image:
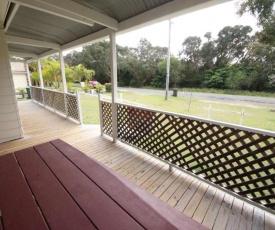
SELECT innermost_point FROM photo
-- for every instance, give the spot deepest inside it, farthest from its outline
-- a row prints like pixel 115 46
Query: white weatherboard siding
pixel 19 74
pixel 10 123
pixel 20 80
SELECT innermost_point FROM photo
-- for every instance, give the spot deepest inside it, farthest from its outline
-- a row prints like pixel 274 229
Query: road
pixel 210 96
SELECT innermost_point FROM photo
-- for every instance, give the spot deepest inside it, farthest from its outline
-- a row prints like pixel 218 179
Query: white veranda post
pixel 64 81
pixel 28 74
pixel 168 63
pixel 63 73
pixel 113 58
pixel 40 74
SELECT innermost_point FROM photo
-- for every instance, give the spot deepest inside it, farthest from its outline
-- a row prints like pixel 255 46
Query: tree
pixel 35 78
pixel 264 11
pixel 52 73
pixel 208 52
pixel 175 69
pixel 79 72
pixel 231 44
pixel 191 49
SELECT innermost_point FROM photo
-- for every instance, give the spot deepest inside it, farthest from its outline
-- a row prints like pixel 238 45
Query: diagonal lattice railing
pixel 64 103
pixel 238 159
pixel 36 94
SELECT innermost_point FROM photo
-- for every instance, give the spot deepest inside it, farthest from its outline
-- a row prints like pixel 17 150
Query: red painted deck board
pixel 59 209
pixel 73 191
pixel 98 206
pixel 146 209
pixel 1 224
pixel 18 208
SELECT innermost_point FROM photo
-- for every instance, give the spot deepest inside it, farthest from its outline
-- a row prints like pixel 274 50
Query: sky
pixel 212 19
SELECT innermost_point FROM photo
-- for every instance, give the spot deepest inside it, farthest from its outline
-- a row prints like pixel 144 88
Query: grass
pixel 90 111
pixel 259 117
pixel 224 91
pixel 231 92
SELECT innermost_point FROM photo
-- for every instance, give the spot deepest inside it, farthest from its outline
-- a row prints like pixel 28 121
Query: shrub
pixel 108 87
pixel 99 88
pixel 69 86
pixel 86 87
pixel 22 91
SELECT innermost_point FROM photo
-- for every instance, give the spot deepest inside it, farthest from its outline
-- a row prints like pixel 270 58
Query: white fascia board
pixel 22 54
pixel 165 12
pixel 82 11
pixel 4 6
pixel 31 42
pixel 87 40
pixel 53 10
pixel 10 18
pixel 161 13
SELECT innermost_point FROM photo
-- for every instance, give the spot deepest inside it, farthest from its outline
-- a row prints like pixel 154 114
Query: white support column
pixel 28 74
pixel 100 114
pixel 79 107
pixel 63 73
pixel 41 79
pixel 40 74
pixel 64 82
pixel 113 58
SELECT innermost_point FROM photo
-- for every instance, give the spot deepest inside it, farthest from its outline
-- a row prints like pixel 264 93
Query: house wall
pixel 10 123
pixel 19 74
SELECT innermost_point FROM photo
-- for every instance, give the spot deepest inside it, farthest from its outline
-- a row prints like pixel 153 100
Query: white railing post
pixel 41 80
pixel 79 107
pixel 28 74
pixel 29 78
pixel 64 82
pixel 100 114
pixel 113 59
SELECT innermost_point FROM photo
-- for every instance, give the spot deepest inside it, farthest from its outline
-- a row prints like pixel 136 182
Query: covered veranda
pixel 34 29
pixel 206 204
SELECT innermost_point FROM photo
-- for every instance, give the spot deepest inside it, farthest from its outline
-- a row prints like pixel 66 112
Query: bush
pixel 22 91
pixel 108 87
pixel 99 88
pixel 69 86
pixel 86 87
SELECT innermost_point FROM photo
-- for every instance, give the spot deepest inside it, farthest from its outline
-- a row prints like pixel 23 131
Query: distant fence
pixel 238 159
pixel 241 113
pixel 62 103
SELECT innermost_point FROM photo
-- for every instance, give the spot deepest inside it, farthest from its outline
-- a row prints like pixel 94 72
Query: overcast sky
pixel 212 19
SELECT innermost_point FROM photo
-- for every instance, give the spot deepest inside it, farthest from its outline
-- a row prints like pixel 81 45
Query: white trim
pixel 21 54
pixel 79 107
pixel 82 11
pixel 4 6
pixel 165 12
pixel 10 18
pixel 28 74
pixel 63 73
pixel 113 60
pixel 89 39
pixel 31 42
pixel 40 75
pixel 161 13
pixel 228 125
pixel 53 10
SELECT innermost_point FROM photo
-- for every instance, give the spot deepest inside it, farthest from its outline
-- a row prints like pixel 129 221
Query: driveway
pixel 213 96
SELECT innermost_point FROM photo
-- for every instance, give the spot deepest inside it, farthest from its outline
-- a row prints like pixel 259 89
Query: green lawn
pixel 261 116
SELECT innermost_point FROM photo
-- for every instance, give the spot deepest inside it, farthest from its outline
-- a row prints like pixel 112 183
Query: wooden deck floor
pixel 205 204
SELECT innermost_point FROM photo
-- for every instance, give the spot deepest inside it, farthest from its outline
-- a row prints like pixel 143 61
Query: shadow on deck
pixel 205 204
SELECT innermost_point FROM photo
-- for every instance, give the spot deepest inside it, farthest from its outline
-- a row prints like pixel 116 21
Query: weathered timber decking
pixel 205 204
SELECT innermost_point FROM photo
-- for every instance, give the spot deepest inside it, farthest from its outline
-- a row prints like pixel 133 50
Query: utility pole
pixel 168 62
